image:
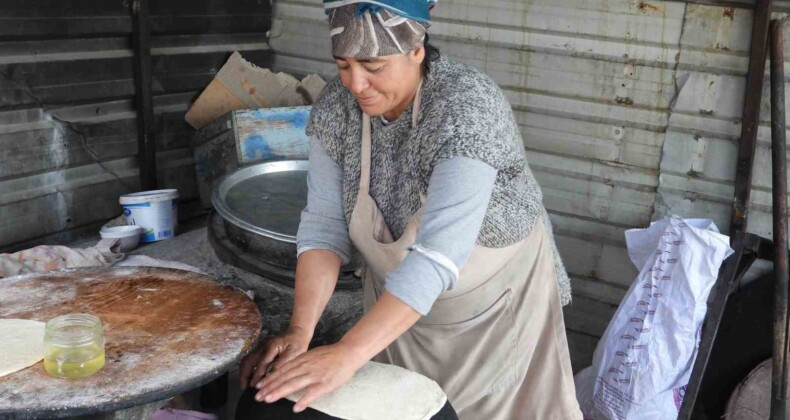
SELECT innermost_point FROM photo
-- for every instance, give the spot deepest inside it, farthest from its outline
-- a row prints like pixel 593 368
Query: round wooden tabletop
pixel 166 331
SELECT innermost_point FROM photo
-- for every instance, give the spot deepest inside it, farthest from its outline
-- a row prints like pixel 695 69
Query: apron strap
pixel 415 113
pixel 364 174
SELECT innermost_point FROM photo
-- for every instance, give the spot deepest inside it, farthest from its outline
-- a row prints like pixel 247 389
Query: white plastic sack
pixel 644 358
pixel 663 406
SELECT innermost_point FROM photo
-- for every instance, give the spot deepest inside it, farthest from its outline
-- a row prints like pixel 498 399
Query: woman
pixel 418 162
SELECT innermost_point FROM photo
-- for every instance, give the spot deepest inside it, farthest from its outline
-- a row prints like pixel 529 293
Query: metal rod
pixel 146 146
pixel 750 118
pixel 779 380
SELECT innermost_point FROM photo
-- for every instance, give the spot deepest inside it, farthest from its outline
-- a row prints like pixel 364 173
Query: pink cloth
pixel 173 414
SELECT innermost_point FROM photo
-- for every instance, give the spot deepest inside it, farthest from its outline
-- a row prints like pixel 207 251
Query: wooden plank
pixel 209 7
pixel 63 82
pixel 63 27
pixel 56 8
pixel 107 26
pixel 60 146
pixel 78 8
pixel 257 21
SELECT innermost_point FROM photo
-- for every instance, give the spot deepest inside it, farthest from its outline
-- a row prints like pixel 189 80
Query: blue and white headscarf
pixel 376 28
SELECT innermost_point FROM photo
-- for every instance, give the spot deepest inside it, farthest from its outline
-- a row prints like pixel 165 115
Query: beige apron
pixel 496 343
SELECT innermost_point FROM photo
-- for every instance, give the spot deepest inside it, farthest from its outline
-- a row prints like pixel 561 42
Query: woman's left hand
pixel 320 371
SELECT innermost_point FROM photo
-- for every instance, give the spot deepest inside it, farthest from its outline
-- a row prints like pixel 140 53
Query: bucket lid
pixel 118 232
pixel 148 196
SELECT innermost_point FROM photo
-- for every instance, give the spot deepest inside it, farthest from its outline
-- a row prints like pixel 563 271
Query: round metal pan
pixel 257 210
pixel 265 199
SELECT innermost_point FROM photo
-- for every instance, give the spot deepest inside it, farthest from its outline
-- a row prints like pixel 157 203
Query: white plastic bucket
pixel 155 211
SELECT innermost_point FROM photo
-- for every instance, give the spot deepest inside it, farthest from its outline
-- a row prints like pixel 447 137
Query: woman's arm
pixel 316 277
pixel 322 246
pixel 386 320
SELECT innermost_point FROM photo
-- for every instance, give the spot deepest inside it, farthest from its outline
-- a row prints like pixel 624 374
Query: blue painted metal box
pixel 247 136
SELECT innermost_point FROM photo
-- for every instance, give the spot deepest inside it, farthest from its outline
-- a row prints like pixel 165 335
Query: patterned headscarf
pixel 376 28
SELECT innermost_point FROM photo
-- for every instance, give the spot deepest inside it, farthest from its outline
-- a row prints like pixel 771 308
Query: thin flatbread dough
pixel 21 344
pixel 382 392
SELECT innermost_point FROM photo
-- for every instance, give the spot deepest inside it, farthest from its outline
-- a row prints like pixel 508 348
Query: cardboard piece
pixel 241 85
pixel 311 86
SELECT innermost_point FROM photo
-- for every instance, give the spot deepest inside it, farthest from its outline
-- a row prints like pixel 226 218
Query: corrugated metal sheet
pixel 628 111
pixel 68 141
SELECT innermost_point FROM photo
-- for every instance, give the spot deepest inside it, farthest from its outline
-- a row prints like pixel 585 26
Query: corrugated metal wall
pixel 629 111
pixel 68 141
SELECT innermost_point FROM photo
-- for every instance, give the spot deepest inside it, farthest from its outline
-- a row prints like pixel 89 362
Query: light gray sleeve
pixel 453 212
pixel 323 224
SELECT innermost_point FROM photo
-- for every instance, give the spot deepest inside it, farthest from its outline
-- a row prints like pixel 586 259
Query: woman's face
pixel 383 85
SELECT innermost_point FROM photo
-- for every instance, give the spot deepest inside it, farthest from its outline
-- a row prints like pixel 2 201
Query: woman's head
pixel 380 50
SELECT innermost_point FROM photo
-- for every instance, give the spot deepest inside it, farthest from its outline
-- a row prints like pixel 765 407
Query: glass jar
pixel 73 346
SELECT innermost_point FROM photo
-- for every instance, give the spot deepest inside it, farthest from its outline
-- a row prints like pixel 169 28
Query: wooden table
pixel 167 331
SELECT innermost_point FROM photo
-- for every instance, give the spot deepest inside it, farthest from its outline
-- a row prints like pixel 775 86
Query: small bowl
pixel 129 236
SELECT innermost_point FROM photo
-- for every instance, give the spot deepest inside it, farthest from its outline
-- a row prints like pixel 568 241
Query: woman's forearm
pixel 316 277
pixel 385 321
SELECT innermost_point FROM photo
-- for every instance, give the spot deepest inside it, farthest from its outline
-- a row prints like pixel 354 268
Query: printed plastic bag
pixel 644 359
pixel 663 406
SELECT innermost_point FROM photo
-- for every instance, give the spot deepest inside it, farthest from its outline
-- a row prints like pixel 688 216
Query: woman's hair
pixel 431 54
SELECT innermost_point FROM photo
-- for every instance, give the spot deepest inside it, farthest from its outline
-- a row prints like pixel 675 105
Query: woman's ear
pixel 417 55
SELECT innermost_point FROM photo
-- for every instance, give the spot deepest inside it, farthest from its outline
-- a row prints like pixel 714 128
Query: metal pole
pixel 779 380
pixel 146 146
pixel 751 117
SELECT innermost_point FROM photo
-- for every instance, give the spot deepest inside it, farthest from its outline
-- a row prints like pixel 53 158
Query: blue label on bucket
pixel 157 218
pixel 149 237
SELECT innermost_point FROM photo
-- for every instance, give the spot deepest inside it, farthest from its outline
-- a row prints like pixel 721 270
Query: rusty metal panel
pixel 700 150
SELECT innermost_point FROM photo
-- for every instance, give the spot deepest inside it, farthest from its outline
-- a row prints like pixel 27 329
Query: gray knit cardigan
pixel 463 113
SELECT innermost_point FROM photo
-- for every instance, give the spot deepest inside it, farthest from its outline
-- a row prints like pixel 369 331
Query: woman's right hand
pixel 275 352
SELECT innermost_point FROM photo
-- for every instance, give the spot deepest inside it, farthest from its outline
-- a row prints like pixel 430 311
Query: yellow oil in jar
pixel 74 362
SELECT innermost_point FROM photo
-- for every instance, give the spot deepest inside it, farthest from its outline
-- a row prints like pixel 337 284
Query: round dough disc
pixel 22 344
pixel 382 392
